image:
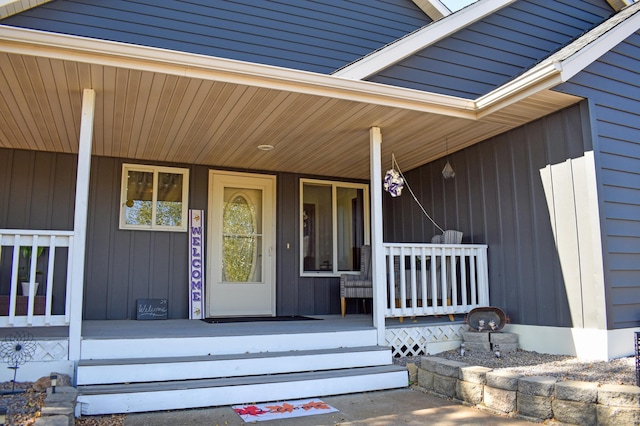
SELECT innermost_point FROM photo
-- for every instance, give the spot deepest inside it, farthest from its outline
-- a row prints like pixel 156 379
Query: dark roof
pixel 493 51
pixel 311 35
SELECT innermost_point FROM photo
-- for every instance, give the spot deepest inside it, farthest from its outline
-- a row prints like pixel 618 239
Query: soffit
pixel 13 7
pixel 216 121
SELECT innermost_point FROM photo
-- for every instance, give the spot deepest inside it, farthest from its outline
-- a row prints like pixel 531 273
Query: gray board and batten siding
pixel 37 191
pixel 522 194
pixel 494 50
pixel 612 85
pixel 302 34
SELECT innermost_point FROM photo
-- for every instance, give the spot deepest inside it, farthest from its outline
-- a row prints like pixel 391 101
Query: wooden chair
pixel 357 286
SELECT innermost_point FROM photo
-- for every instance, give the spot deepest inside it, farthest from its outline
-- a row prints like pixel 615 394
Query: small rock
pixel 45 382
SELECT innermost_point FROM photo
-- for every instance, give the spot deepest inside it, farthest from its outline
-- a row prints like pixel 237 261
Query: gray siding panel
pixel 511 192
pixel 303 34
pixel 613 86
pixel 288 259
pixel 36 190
pixel 494 50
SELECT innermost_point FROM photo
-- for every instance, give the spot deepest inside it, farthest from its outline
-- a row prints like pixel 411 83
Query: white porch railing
pixel 435 279
pixel 33 310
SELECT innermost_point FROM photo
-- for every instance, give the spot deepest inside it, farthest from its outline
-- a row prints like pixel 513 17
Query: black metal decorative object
pixel 16 349
pixel 489 318
pixel 637 358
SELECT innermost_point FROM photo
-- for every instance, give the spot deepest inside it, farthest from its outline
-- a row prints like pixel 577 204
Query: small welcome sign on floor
pixel 151 309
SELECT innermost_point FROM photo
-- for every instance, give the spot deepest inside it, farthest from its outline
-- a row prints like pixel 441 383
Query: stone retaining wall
pixel 533 398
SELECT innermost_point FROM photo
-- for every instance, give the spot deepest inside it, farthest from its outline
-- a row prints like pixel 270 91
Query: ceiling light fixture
pixel 265 147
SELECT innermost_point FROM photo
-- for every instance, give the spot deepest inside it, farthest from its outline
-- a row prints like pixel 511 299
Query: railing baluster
pixel 13 294
pixel 463 277
pixel 49 288
pixel 423 279
pixel 472 271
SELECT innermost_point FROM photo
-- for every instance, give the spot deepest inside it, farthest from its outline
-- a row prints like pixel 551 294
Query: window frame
pixel 334 219
pixel 145 168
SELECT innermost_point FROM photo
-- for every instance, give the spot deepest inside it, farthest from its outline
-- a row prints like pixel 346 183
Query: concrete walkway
pixel 383 408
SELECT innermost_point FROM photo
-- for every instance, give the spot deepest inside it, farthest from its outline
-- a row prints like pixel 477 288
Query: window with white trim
pixel 154 198
pixel 334 225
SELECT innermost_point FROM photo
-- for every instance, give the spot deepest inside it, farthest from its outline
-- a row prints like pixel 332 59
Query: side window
pixel 334 222
pixel 154 198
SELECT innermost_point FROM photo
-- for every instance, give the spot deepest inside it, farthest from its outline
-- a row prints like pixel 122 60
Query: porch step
pixel 182 394
pixel 134 370
pixel 246 342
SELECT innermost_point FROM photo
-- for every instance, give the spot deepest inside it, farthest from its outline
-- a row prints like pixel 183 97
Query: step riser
pixel 223 345
pixel 264 392
pixel 150 372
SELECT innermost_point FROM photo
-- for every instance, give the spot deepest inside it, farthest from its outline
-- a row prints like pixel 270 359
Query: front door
pixel 241 244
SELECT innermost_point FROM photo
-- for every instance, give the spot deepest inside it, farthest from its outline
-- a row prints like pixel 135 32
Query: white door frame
pixel 269 237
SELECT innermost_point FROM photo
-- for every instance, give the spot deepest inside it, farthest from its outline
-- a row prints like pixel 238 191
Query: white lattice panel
pixel 413 341
pixel 51 350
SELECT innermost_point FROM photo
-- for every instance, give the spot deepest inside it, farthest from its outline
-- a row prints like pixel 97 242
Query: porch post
pixel 377 250
pixel 80 224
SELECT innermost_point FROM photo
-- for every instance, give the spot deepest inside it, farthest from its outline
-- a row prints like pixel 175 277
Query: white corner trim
pixel 434 9
pixel 418 40
pixel 603 44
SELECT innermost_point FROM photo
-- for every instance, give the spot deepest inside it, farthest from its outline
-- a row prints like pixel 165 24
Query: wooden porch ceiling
pixel 158 116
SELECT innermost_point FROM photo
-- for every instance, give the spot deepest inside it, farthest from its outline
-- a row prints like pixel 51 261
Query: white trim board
pixel 583 343
pixel 418 40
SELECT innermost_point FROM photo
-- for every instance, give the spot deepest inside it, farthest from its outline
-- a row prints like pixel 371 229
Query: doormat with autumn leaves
pixel 282 410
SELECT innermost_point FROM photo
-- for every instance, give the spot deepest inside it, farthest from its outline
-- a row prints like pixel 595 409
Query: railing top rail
pixel 28 232
pixel 430 245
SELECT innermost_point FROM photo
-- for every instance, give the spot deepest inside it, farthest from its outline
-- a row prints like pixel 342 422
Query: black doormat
pixel 223 320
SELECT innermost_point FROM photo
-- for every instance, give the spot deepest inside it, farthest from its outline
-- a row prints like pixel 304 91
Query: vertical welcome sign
pixel 196 264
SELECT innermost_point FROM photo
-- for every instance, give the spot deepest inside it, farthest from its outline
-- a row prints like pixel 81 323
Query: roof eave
pixel 418 40
pixel 108 53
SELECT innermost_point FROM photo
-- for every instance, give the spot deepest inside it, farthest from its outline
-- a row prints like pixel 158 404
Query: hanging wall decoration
pixel 394 181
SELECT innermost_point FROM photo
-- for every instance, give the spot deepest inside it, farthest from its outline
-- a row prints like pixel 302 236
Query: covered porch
pixel 93 99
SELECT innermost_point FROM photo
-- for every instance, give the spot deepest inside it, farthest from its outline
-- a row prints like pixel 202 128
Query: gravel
pixel 22 408
pixel 621 371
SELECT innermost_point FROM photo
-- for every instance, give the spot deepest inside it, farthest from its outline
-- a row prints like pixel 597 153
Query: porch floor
pixel 132 329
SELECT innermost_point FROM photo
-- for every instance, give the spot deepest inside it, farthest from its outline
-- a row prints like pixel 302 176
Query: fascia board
pixel 597 48
pixel 109 53
pixel 537 79
pixel 420 39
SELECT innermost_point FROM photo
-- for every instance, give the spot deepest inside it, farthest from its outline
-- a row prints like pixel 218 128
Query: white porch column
pixel 377 251
pixel 80 223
